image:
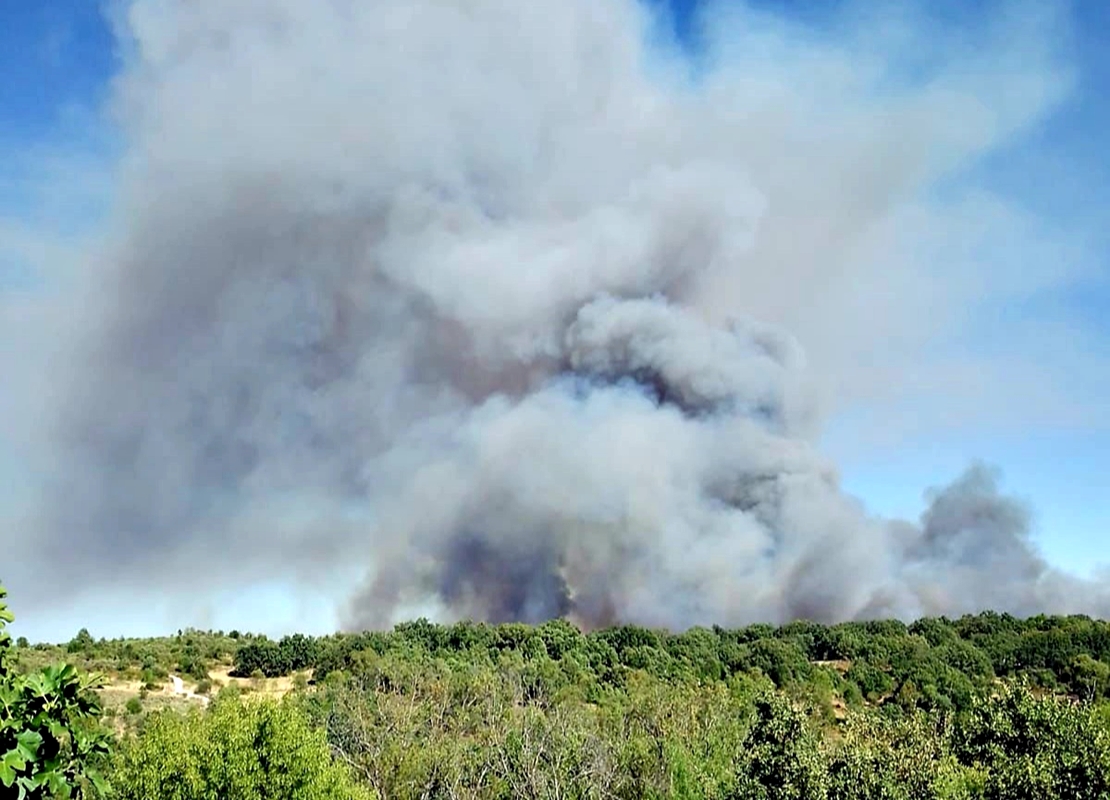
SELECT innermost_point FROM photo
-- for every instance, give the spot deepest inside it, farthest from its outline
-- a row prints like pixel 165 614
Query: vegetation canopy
pixel 984 706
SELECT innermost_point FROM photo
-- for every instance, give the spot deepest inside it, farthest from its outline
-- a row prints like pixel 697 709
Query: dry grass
pixel 271 687
pixel 120 689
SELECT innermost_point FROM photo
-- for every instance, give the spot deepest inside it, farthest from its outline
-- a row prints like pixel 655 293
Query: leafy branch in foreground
pixel 50 740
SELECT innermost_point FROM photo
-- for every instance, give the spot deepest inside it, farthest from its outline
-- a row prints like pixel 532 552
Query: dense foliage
pixel 930 664
pixel 272 659
pixel 50 744
pixel 413 726
pixel 936 663
pixel 984 707
pixel 189 653
pixel 234 751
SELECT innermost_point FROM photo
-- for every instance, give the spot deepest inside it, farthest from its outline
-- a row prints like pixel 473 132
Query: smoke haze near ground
pixel 516 314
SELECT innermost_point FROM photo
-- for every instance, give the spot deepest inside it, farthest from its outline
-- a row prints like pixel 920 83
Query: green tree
pixel 81 643
pixel 264 656
pixel 873 683
pixel 298 652
pixel 50 742
pixel 782 759
pixel 238 750
pixel 781 661
pixel 1029 746
pixel 1090 677
pixel 875 757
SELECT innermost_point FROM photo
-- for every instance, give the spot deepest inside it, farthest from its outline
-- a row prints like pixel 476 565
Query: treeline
pixel 986 707
pixel 189 653
pixel 934 663
pixel 549 712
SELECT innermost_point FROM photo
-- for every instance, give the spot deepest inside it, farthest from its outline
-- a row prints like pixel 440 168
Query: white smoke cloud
pixel 512 313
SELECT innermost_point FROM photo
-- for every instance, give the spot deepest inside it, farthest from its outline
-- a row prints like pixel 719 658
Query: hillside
pixel 982 706
pixel 931 664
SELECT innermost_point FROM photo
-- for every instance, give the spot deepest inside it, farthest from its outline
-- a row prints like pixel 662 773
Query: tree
pixel 781 661
pixel 1029 746
pixel 873 683
pixel 1090 677
pixel 261 655
pixel 782 760
pixel 235 751
pixel 50 742
pixel 81 643
pixel 298 652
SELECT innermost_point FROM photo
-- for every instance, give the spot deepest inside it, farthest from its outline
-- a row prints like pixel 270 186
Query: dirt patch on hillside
pixel 840 665
pixel 272 687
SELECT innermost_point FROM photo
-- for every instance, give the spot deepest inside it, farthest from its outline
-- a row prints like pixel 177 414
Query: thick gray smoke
pixel 506 308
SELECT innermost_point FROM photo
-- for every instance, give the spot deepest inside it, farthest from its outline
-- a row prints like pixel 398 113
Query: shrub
pixel 782 758
pixel 873 683
pixel 192 666
pixel 229 692
pixel 50 740
pixel 262 656
pixel 134 706
pixel 235 751
pixel 1030 746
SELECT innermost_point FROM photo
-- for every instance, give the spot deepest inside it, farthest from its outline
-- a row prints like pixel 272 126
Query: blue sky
pixel 57 60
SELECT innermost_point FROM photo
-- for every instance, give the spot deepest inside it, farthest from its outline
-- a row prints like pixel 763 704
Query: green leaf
pixel 58 783
pixel 14 760
pixel 102 786
pixel 49 740
pixel 28 743
pixel 7 773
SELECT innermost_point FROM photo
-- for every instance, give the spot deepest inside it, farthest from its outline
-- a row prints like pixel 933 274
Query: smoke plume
pixel 504 303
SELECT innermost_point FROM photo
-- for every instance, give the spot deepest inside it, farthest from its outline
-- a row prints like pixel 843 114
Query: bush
pixel 1030 746
pixel 782 756
pixel 153 675
pixel 193 667
pixel 50 740
pixel 275 659
pixel 873 683
pixel 262 656
pixel 134 706
pixel 235 751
